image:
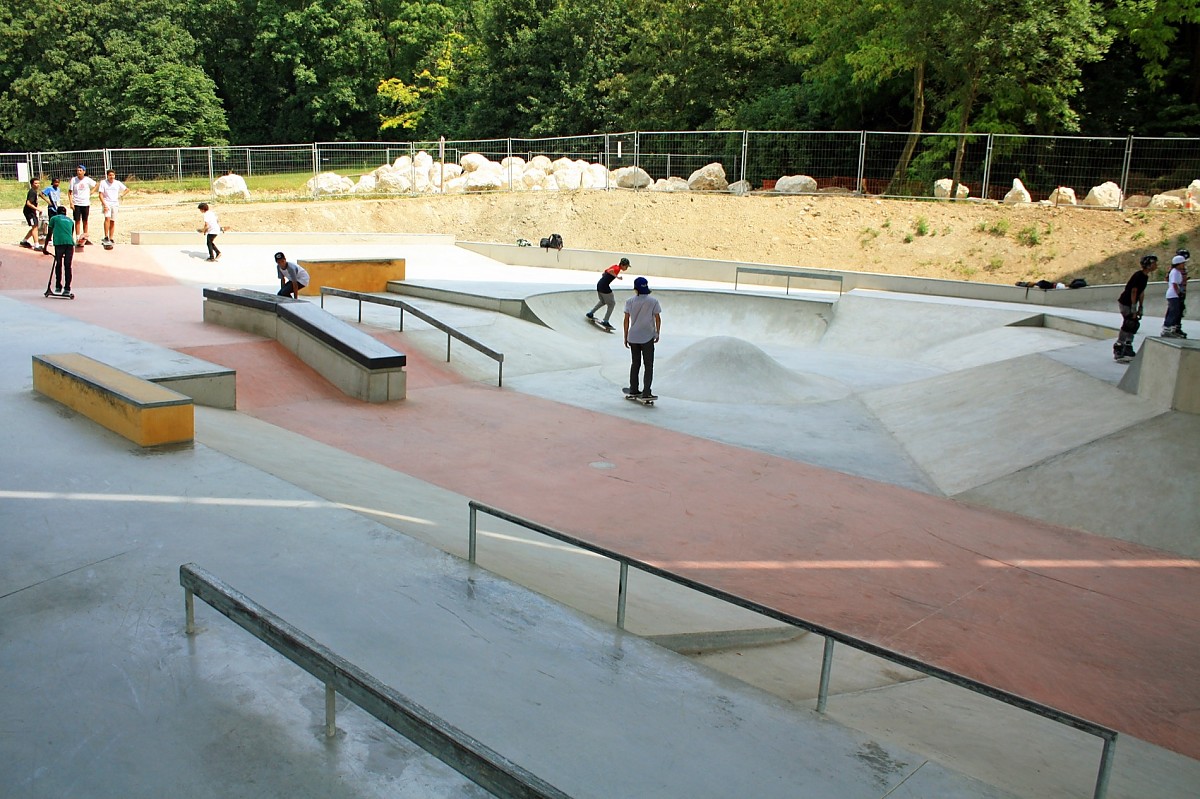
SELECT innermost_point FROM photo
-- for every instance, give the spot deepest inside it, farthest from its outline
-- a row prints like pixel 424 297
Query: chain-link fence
pixel 878 163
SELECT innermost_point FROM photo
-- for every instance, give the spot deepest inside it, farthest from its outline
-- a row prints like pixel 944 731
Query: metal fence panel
pixel 829 157
pixel 1159 165
pixel 900 165
pixel 1043 163
pixel 62 164
pixel 665 154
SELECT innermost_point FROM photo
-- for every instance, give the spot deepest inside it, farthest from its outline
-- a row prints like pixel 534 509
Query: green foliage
pixel 998 228
pixel 921 226
pixel 1029 236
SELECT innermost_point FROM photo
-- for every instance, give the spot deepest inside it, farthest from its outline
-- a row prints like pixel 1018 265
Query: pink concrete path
pixel 1100 628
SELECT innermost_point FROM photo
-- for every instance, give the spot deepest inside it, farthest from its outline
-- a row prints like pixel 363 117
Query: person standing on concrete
pixel 1175 294
pixel 292 276
pixel 605 292
pixel 111 191
pixel 643 326
pixel 31 216
pixel 81 202
pixel 211 229
pixel 61 230
pixel 1130 304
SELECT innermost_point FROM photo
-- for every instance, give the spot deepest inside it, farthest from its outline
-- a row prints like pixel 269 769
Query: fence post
pixel 862 163
pixel 211 188
pixel 1125 169
pixel 745 151
pixel 510 188
pixel 637 148
pixel 316 162
pixel 987 168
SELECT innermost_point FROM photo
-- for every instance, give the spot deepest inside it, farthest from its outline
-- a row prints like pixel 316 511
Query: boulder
pixel 1063 195
pixel 231 185
pixel 599 175
pixel 1166 202
pixel 540 162
pixel 1106 195
pixel 631 177
pixel 403 163
pixel 740 188
pixel 1017 194
pixel 366 185
pixel 533 177
pixel 710 177
pixel 329 183
pixel 456 185
pixel 941 189
pixel 396 181
pixel 1138 201
pixel 672 183
pixel 422 159
pixel 516 162
pixel 484 180
pixel 569 179
pixel 561 164
pixel 472 162
pixel 796 184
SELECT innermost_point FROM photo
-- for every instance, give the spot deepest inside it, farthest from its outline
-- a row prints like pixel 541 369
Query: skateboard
pixel 600 325
pixel 108 245
pixel 639 398
pixel 66 295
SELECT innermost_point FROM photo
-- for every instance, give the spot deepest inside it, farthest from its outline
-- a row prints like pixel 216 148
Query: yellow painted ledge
pixel 143 412
pixel 367 275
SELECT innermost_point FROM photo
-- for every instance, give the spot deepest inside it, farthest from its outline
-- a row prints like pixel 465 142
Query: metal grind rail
pixel 447 743
pixel 788 273
pixel 1109 736
pixel 396 302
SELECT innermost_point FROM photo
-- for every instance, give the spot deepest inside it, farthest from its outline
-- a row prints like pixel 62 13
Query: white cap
pixel 1177 260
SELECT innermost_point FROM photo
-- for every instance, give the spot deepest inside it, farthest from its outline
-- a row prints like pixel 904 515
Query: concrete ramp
pixel 1098 485
pixel 879 326
pixel 763 320
pixel 969 428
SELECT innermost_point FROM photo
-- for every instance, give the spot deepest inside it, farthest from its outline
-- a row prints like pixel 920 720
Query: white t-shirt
pixel 111 192
pixel 210 221
pixel 81 190
pixel 642 309
pixel 1175 278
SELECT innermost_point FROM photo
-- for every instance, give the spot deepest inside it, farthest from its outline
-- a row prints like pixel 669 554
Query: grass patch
pixel 999 228
pixel 1138 235
pixel 868 234
pixel 994 265
pixel 1029 236
pixel 887 223
pixel 921 226
pixel 908 238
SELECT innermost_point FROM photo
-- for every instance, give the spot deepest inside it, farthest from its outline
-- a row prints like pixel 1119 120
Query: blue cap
pixel 641 285
pixel 81 166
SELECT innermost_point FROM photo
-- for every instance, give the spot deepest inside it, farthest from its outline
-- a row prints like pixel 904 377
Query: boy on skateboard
pixel 81 202
pixel 61 230
pixel 111 191
pixel 1130 304
pixel 643 325
pixel 605 292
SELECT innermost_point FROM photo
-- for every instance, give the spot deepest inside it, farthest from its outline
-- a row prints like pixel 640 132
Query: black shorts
pixel 81 212
pixel 31 217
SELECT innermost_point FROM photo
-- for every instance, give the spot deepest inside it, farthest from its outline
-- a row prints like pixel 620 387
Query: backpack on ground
pixel 552 242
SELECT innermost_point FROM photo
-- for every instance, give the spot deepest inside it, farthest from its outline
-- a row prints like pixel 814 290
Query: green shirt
pixel 62 229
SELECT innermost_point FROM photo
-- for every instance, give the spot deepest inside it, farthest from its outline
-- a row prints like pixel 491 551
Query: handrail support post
pixel 471 535
pixel 1106 762
pixel 826 668
pixel 622 592
pixel 330 711
pixel 189 610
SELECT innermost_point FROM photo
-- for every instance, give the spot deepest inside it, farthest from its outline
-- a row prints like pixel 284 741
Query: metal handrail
pixel 1109 736
pixel 469 757
pixel 396 302
pixel 789 273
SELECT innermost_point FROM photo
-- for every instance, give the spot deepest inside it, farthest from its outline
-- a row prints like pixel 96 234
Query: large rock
pixel 741 188
pixel 569 179
pixel 631 177
pixel 1106 195
pixel 710 177
pixel 1166 202
pixel 533 177
pixel 941 189
pixel 1017 194
pixel 1063 195
pixel 366 185
pixel 422 159
pixel 672 183
pixel 540 162
pixel 231 185
pixel 395 181
pixel 472 162
pixel 484 180
pixel 1138 201
pixel 329 183
pixel 796 184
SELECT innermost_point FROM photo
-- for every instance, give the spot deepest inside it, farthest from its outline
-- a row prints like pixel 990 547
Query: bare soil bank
pixel 986 243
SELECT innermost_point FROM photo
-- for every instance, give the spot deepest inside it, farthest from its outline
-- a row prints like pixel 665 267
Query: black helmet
pixel 1187 256
pixel 1149 261
pixel 624 262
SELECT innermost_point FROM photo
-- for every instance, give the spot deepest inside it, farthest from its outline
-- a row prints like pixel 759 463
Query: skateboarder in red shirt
pixel 604 290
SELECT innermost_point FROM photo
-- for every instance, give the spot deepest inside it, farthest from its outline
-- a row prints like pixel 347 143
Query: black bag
pixel 1077 283
pixel 551 242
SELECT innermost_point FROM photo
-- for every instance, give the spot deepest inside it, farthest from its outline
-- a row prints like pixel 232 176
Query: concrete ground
pixel 297 496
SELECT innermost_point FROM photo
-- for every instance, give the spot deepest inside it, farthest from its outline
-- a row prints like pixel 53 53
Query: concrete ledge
pixel 281 238
pixel 359 365
pixel 1166 371
pixel 367 275
pixel 143 412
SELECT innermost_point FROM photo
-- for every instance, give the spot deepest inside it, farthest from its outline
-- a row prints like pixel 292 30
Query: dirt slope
pixel 964 241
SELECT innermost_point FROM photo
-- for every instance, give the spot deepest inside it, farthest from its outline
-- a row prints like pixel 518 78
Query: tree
pixel 174 106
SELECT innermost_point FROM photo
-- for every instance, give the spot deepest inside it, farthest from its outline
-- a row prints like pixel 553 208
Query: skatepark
pixel 956 480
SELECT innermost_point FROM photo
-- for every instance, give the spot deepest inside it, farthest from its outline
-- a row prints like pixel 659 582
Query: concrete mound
pixel 727 369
